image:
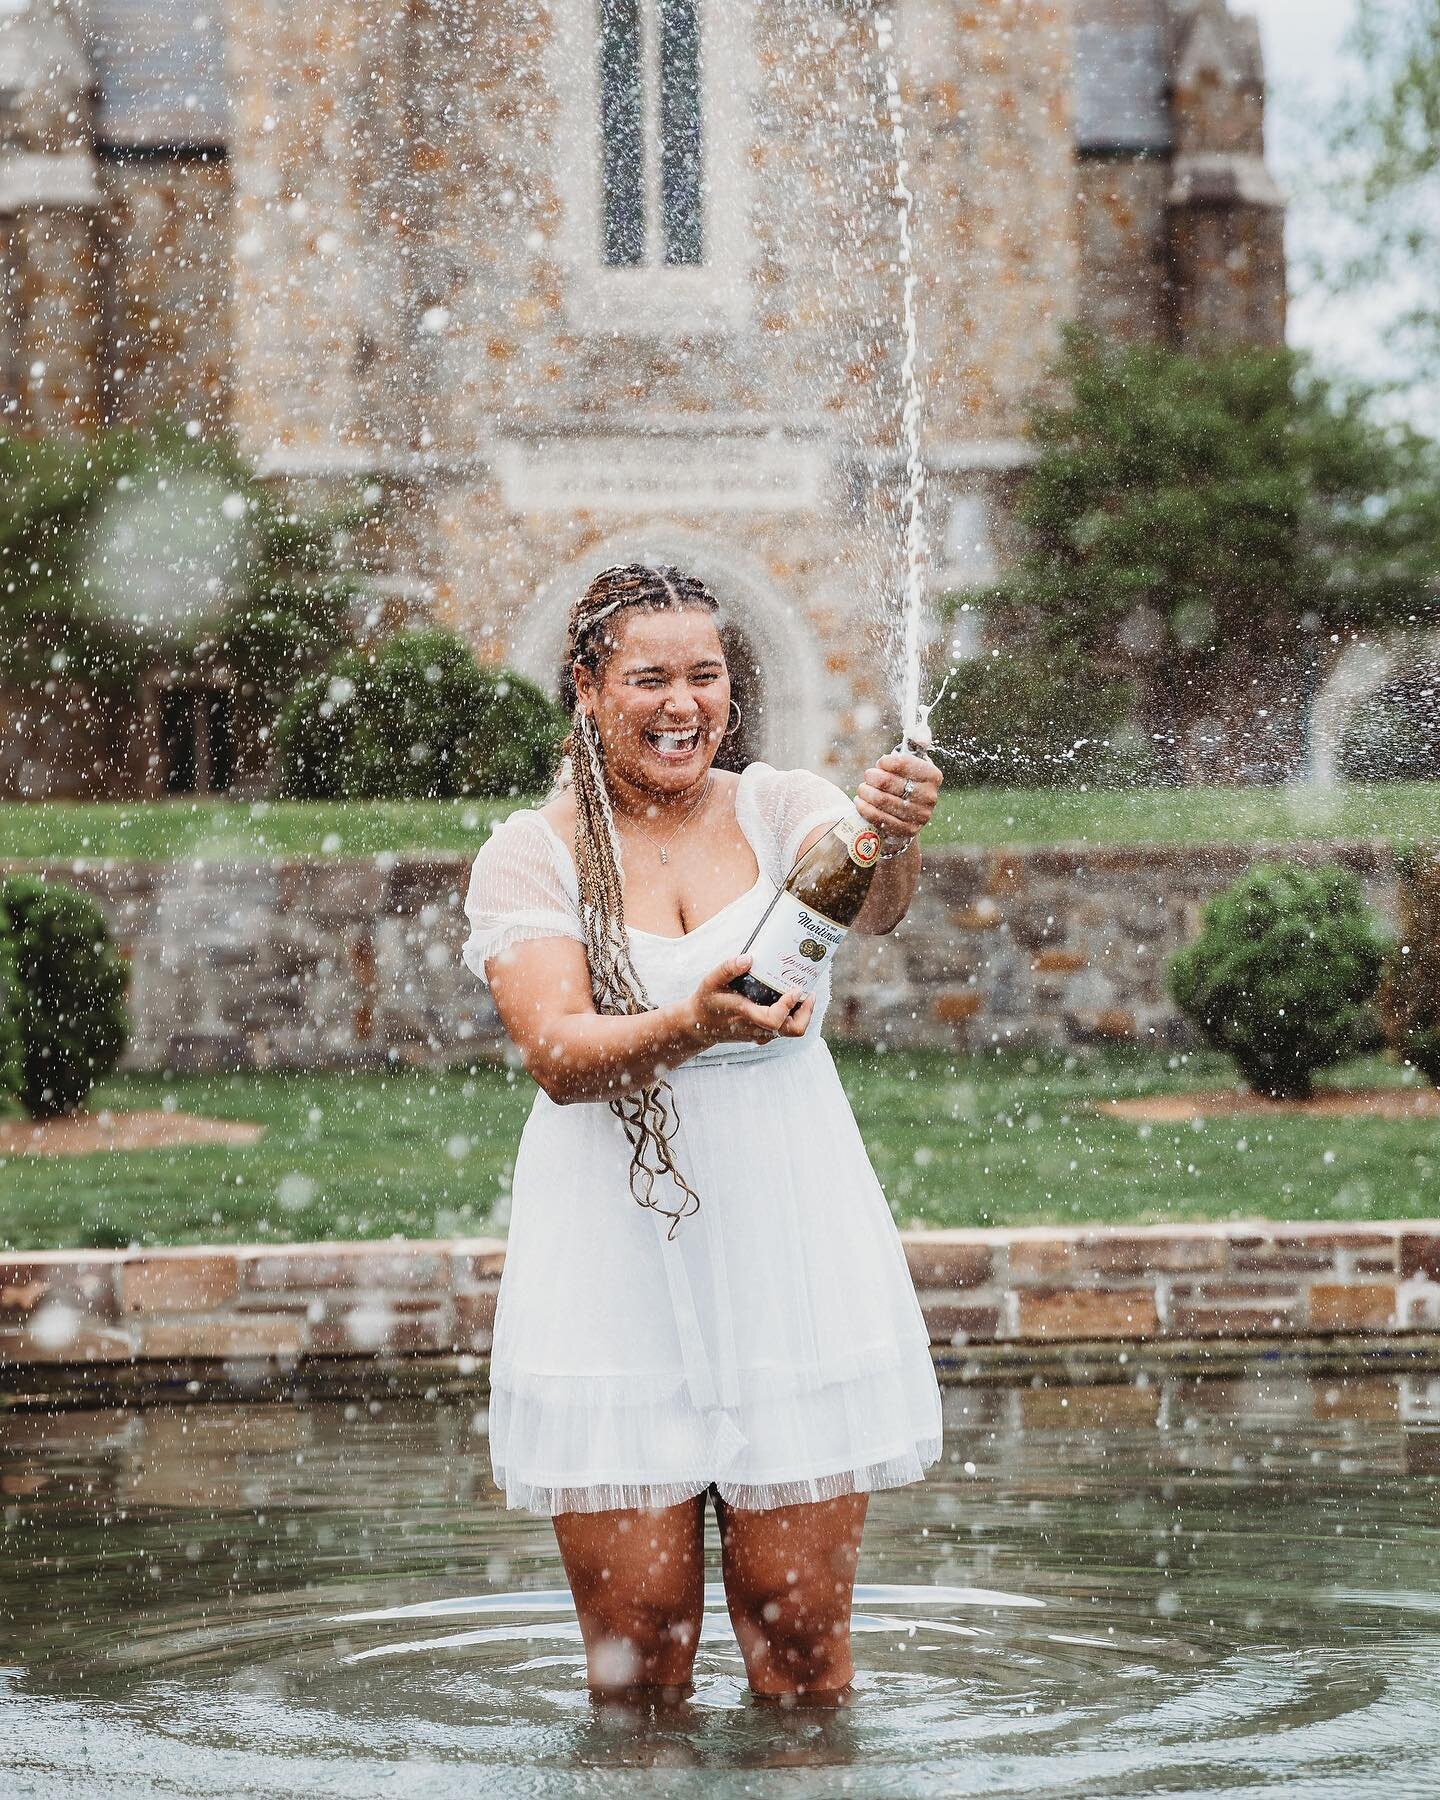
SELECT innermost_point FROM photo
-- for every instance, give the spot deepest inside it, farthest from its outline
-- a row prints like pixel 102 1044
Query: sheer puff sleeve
pixel 786 805
pixel 519 891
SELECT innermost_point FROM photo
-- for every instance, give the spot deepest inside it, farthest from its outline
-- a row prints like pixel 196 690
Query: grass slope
pixel 996 1140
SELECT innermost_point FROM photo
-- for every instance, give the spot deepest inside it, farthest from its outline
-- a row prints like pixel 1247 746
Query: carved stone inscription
pixel 670 474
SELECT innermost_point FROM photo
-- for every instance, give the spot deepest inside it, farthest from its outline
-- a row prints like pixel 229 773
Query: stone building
pixel 567 282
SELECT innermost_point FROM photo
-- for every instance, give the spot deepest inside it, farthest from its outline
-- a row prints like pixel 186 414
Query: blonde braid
pixel 649 1116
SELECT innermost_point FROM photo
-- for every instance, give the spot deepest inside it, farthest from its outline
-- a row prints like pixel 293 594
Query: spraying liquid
pixel 809 917
pixel 913 714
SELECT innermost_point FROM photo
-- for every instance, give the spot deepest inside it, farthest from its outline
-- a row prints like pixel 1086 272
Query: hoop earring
pixel 739 716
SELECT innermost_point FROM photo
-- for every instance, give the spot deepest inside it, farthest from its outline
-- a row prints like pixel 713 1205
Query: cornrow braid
pixel 650 1115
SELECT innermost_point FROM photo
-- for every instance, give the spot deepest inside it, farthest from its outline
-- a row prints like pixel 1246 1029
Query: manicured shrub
pixel 72 1017
pixel 449 727
pixel 327 748
pixel 422 722
pixel 1014 721
pixel 1410 985
pixel 1283 975
pixel 12 1065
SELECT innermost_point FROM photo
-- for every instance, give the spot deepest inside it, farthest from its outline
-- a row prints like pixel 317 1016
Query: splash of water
pixel 912 713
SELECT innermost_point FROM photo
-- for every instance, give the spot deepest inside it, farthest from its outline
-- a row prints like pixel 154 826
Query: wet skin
pixel 638 1577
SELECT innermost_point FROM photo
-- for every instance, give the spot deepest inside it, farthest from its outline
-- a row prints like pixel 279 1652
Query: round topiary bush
pixel 449 728
pixel 1410 985
pixel 326 743
pixel 423 721
pixel 1283 975
pixel 12 1062
pixel 72 1017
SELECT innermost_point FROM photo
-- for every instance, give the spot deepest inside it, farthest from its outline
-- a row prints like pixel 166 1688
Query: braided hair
pixel 650 1116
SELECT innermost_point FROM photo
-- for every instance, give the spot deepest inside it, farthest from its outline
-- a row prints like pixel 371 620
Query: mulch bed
pixel 91 1134
pixel 1362 1103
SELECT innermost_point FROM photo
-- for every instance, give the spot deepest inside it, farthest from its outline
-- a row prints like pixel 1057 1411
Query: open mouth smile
pixel 674 745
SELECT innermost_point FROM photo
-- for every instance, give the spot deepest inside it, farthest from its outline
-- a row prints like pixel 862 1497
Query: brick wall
pixel 1202 1285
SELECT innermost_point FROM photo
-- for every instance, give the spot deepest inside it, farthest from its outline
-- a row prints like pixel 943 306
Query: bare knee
pixel 795 1640
pixel 629 1646
pixel 789 1579
pixel 640 1611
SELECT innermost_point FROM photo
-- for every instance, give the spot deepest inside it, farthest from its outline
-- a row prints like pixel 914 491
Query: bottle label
pixel 862 841
pixel 792 945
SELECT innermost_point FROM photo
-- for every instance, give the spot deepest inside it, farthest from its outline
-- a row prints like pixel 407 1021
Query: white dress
pixel 774 1346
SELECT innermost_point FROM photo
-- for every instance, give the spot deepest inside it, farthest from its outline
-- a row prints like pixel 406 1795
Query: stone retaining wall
pixel 345 963
pixel 289 1305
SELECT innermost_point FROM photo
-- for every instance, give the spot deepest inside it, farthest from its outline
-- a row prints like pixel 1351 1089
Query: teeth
pixel 675 740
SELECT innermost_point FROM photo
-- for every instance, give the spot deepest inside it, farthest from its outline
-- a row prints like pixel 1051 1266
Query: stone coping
pixel 985 1294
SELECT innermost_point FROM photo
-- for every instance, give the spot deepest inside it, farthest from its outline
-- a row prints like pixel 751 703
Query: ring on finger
pixel 907 790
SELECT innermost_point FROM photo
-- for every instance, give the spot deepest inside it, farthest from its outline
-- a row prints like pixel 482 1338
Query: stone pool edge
pixel 1001 1304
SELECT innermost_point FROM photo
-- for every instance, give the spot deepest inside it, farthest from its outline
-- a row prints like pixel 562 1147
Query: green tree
pixel 1196 522
pixel 284 604
pixel 1387 141
pixel 1008 720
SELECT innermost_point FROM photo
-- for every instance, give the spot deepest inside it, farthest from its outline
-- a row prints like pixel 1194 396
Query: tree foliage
pixel 12 1061
pixel 283 607
pixel 1188 518
pixel 1394 733
pixel 1016 720
pixel 1387 142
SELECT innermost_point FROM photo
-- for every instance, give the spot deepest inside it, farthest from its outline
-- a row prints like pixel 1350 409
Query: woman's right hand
pixel 722 1017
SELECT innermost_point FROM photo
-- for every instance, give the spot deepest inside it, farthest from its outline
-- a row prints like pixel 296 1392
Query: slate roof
pixel 1120 81
pixel 161 69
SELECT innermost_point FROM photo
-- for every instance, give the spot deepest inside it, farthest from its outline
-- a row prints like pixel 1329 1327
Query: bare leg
pixel 789 1575
pixel 638 1578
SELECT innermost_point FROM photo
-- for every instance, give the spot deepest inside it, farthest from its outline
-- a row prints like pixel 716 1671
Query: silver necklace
pixel 695 806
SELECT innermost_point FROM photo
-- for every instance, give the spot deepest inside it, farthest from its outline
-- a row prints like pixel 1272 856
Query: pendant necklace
pixel 695 806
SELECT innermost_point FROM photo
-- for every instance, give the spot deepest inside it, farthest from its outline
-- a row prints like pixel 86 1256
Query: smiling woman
pixel 749 1329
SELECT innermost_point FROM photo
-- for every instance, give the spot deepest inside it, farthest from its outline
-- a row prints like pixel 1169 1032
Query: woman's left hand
pixel 883 800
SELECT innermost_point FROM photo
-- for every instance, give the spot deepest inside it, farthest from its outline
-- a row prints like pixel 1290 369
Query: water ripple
pixel 1237 1591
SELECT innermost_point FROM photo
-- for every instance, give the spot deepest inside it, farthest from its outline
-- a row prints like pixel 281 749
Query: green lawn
pixel 165 830
pixel 956 1140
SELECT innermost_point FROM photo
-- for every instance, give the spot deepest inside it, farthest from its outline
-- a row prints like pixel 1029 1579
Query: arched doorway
pixel 775 664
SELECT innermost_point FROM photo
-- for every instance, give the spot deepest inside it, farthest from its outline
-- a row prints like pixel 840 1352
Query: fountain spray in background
pixel 914 714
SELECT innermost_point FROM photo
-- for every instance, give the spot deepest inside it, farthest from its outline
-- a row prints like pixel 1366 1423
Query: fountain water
pixel 912 712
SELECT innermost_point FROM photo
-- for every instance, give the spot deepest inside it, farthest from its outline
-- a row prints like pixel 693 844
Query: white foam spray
pixel 917 550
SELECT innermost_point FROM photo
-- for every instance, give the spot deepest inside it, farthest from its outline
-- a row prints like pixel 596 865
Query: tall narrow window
pixel 622 132
pixel 650 133
pixel 680 208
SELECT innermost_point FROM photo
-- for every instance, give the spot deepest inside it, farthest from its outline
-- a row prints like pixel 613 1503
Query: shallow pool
pixel 1176 1589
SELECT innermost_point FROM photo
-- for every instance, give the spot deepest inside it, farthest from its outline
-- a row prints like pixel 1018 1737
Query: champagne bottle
pixel 808 919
